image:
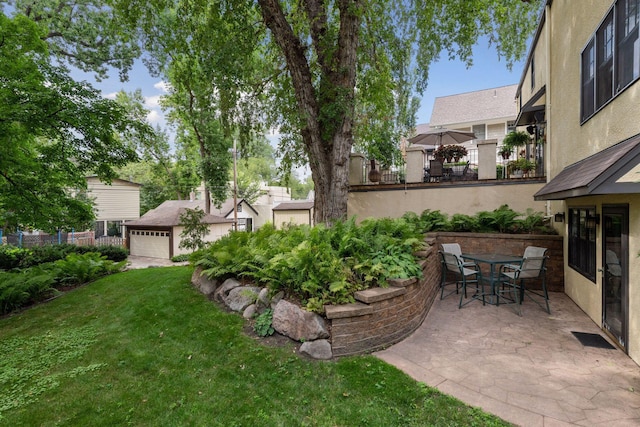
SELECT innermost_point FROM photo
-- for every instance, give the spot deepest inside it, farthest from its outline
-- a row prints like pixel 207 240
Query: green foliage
pixel 318 265
pixel 24 287
pixel 515 139
pixel 194 230
pixel 77 269
pixel 21 288
pixel 501 220
pixel 180 258
pixel 520 164
pixel 262 325
pixel 54 132
pixel 11 256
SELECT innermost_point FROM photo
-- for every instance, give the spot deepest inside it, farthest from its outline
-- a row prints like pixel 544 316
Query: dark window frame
pixel 610 61
pixel 582 241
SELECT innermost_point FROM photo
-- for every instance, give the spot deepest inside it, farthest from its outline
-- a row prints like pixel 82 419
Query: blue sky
pixel 446 78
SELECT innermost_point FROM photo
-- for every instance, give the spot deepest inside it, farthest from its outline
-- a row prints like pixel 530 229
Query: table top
pixel 493 258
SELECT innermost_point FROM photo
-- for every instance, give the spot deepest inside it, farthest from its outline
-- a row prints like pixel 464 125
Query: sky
pixel 445 78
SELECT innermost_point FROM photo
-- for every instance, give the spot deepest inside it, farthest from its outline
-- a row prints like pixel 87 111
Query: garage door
pixel 154 244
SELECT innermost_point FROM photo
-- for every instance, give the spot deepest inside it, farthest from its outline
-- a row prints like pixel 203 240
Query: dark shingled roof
pixel 168 214
pixel 294 206
pixel 597 174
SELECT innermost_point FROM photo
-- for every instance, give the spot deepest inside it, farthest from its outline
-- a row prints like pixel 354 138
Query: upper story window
pixel 611 59
pixel 533 71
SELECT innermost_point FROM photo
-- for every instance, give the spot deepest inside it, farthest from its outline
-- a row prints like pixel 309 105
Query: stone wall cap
pixel 372 295
pixel 347 310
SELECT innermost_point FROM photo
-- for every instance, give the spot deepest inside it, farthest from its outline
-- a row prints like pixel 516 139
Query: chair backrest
pixel 533 263
pixel 451 261
pixel 435 168
pixel 613 263
pixel 452 248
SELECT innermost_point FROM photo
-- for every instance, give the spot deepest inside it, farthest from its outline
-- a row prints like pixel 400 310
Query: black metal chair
pixel 463 273
pixel 513 277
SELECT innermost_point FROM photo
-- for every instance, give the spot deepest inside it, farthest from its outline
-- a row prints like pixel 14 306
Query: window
pixel 628 45
pixel 582 242
pixel 239 207
pixel 479 130
pixel 533 71
pixel 610 62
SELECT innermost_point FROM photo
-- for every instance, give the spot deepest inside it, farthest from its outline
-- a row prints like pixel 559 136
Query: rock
pixel 298 324
pixel 250 311
pixel 224 290
pixel 318 349
pixel 263 299
pixel 241 297
pixel 276 299
pixel 203 283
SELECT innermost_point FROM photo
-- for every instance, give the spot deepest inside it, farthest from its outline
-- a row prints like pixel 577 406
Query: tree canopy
pixel 328 74
pixel 53 133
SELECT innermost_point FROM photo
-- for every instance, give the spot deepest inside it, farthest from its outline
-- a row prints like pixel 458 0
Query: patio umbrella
pixel 442 136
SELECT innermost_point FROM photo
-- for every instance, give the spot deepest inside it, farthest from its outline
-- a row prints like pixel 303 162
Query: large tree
pixel 326 71
pixel 53 133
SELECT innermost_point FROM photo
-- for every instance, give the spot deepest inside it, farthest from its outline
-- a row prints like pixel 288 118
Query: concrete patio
pixel 529 370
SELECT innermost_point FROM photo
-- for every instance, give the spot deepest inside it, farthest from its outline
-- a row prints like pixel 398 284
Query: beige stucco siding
pixel 217 231
pixel 587 294
pixel 118 201
pixel 464 199
pixel 297 217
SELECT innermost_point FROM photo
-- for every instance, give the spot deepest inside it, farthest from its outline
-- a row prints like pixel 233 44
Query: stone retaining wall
pixel 384 316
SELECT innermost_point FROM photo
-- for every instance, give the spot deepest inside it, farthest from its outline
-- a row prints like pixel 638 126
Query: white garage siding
pixel 216 231
pixel 149 243
pixel 296 217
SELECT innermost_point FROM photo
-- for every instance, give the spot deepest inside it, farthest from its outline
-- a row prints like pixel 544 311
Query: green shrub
pixel 112 252
pixel 180 258
pixel 11 256
pixel 77 269
pixel 22 288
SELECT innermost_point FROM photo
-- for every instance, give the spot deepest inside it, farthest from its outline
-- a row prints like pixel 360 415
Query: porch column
pixel 356 169
pixel 415 163
pixel 487 159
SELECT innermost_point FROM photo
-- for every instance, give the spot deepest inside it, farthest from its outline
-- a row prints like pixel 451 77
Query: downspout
pixel 549 91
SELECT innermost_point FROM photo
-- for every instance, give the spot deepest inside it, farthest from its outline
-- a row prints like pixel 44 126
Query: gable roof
pixel 302 205
pixel 614 170
pixel 169 212
pixel 478 106
pixel 227 207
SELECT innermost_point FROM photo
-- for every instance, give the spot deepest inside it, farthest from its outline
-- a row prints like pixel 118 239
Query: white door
pixel 149 243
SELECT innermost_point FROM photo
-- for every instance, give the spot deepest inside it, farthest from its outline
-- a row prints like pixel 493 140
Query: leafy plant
pixel 263 324
pixel 180 258
pixel 515 139
pixel 25 287
pixel 194 230
pixel 78 269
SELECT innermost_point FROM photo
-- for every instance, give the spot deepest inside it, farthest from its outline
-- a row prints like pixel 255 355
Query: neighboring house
pixel 115 203
pixel 580 91
pixel 296 212
pixel 247 215
pixel 489 113
pixel 157 233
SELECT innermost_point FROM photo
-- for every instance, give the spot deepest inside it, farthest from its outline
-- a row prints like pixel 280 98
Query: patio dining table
pixel 492 260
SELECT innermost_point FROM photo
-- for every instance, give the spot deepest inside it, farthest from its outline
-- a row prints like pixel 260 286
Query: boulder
pixel 318 349
pixel 250 311
pixel 298 324
pixel 202 282
pixel 241 297
pixel 224 290
pixel 263 299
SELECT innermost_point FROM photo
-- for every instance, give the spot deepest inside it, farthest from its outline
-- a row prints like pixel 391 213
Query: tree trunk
pixel 328 111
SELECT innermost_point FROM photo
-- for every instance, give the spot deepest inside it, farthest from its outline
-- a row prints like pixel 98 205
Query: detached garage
pixel 157 233
pixel 293 213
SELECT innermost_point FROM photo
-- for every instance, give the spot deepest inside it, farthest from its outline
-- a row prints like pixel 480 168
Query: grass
pixel 144 348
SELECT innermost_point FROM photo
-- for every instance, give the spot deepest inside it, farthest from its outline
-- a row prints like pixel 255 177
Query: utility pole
pixel 235 188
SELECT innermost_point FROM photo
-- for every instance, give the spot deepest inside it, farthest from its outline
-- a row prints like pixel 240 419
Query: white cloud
pixel 162 86
pixel 111 95
pixel 152 101
pixel 155 117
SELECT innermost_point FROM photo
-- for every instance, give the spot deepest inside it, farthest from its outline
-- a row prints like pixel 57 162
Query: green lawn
pixel 144 348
